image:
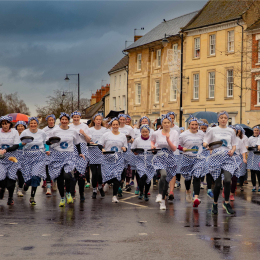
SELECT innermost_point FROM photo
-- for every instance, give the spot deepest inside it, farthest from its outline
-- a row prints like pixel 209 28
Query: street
pixel 131 229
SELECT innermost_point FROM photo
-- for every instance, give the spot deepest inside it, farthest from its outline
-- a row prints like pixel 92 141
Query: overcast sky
pixel 41 41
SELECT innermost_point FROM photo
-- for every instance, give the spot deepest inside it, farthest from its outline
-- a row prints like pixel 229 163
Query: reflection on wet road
pixel 131 229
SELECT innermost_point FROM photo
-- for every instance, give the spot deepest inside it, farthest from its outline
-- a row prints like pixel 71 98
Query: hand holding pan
pixel 215 145
pixel 27 139
pixel 252 148
pixel 128 137
pixel 154 151
pixel 54 140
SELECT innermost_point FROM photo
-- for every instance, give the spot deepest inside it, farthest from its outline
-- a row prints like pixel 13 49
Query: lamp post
pixel 67 79
pixel 64 95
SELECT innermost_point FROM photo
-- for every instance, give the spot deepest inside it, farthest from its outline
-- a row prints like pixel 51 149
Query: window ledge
pixel 211 56
pixel 172 101
pixel 227 98
pixel 196 58
pixel 257 105
pixel 195 100
pixel 137 105
pixel 257 64
pixel 210 99
pixel 230 52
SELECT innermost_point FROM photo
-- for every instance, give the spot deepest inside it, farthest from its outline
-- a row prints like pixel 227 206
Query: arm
pixel 231 152
pixel 153 141
pixel 172 146
pixel 87 138
pixel 244 157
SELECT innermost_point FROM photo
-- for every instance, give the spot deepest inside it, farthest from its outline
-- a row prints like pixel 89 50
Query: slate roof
pixel 254 26
pixel 219 11
pixel 170 27
pixel 93 109
pixel 120 65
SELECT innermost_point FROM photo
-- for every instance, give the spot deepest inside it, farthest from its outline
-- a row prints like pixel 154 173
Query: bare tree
pixel 15 105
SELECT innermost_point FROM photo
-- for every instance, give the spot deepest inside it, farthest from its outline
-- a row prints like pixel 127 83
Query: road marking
pixel 46 235
pixel 190 234
pixel 13 223
pixel 127 198
pixel 142 221
pixel 133 204
pixel 142 234
pixel 1 235
pixel 95 234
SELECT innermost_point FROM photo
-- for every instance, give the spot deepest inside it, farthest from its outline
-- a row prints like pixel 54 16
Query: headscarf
pixel 223 113
pixel 129 117
pixel 62 114
pixel 182 128
pixel 238 127
pixel 6 118
pixel 193 119
pixel 20 123
pixel 122 115
pixel 170 113
pixel 166 117
pixel 112 120
pixel 144 117
pixel 98 114
pixel 204 124
pixel 146 127
pixel 75 113
pixel 256 127
pixel 214 124
pixel 33 118
pixel 52 115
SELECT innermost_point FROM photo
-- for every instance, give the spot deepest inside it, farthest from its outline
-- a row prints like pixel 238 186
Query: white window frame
pixel 159 57
pixel 173 90
pixel 124 102
pixel 197 47
pixel 196 84
pixel 175 52
pixel 114 102
pixel 119 82
pixel 119 102
pixel 115 83
pixel 212 44
pixel 212 81
pixel 139 61
pixel 231 41
pixel 230 83
pixel 258 92
pixel 138 91
pixel 157 92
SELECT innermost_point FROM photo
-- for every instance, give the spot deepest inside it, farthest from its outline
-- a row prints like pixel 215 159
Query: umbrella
pixel 249 131
pixel 211 117
pixel 18 117
pixel 113 113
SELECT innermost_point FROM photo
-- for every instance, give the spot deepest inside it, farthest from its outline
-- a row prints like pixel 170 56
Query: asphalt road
pixel 131 229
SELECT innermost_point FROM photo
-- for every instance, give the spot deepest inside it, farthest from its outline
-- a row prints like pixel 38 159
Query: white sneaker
pixel 188 197
pixel 201 186
pixel 175 185
pixel 19 193
pixel 106 188
pixel 162 205
pixel 48 192
pixel 114 199
pixel 158 198
pixel 54 185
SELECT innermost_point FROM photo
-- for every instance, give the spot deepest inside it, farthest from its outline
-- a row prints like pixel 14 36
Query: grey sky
pixel 42 41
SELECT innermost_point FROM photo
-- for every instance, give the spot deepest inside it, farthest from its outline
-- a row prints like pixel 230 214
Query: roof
pixel 215 12
pixel 254 26
pixel 93 109
pixel 107 94
pixel 120 65
pixel 170 27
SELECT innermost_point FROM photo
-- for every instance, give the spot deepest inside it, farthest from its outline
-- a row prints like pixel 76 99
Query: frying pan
pixel 215 145
pixel 128 137
pixel 138 150
pixel 108 152
pixel 27 139
pixel 252 148
pixel 54 140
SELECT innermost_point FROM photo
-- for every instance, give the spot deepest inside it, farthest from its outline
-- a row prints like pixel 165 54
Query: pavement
pixel 130 229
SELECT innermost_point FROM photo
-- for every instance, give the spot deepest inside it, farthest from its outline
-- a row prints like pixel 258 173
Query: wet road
pixel 131 229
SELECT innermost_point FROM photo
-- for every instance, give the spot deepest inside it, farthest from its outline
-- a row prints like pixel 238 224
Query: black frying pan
pixel 128 137
pixel 27 139
pixel 138 150
pixel 108 152
pixel 257 152
pixel 215 145
pixel 252 148
pixel 154 151
pixel 54 140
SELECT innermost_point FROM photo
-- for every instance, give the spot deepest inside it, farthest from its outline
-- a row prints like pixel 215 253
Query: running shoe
pixel 231 197
pixel 25 187
pixel 245 182
pixel 137 190
pixel 87 185
pixel 228 208
pixel 159 198
pixel 132 183
pixel 114 199
pixel 10 201
pixel 146 198
pixel 82 198
pixel 62 202
pixel 19 193
pixel 48 192
pixel 201 186
pixel 162 205
pixel 102 193
pixel 54 185
pixel 128 188
pixel 254 190
pixel 119 193
pixel 148 193
pixel 106 188
pixel 175 185
pixel 241 188
pixel 171 196
pixel 44 184
pixel 140 197
pixel 188 197
pixel 214 210
pixel 32 201
pixel 210 194
pixel 196 203
pixel 69 198
pixel 2 192
pixel 94 195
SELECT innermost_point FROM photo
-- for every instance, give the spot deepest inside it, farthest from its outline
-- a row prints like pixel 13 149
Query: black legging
pixel 227 181
pixel 209 180
pixel 60 183
pixel 96 174
pixel 87 174
pixel 20 179
pixel 72 182
pixel 48 179
pixel 196 185
pixel 142 183
pixel 116 185
pixel 255 173
pixel 9 184
pixel 178 177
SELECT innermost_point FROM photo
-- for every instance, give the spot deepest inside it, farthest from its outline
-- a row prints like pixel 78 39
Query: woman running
pixel 62 161
pixel 96 131
pixel 113 164
pixel 191 164
pixel 143 161
pixel 165 161
pixel 33 160
pixel 220 162
pixel 9 142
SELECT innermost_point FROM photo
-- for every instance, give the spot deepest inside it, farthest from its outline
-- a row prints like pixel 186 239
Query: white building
pixel 118 85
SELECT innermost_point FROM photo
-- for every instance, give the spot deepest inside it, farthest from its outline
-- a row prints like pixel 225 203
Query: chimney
pixel 137 37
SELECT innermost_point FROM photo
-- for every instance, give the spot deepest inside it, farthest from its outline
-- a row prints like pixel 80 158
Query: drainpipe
pixel 181 83
pixel 241 89
pixel 126 68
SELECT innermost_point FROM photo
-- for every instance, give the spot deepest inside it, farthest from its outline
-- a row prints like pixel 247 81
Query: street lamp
pixel 63 96
pixel 67 79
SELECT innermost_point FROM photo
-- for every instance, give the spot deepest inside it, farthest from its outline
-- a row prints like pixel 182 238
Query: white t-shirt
pixel 240 147
pixel 68 137
pixel 38 141
pixel 192 141
pixel 96 134
pixel 140 143
pixel 253 141
pixel 227 135
pixel 245 140
pixel 77 128
pixel 176 128
pixel 9 139
pixel 127 130
pixel 160 140
pixel 138 132
pixel 112 142
pixel 48 130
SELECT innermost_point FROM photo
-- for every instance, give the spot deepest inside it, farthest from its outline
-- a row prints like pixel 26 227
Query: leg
pixel 241 180
pixel 217 189
pixel 209 180
pixel 60 183
pixel 48 180
pixel 116 185
pixel 141 184
pixel 81 182
pixel 233 184
pixel 10 185
pixel 172 184
pixel 258 177
pixel 196 187
pixel 187 184
pixel 93 168
pixel 163 184
pixel 20 179
pixel 253 178
pixel 227 186
pixel 147 188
